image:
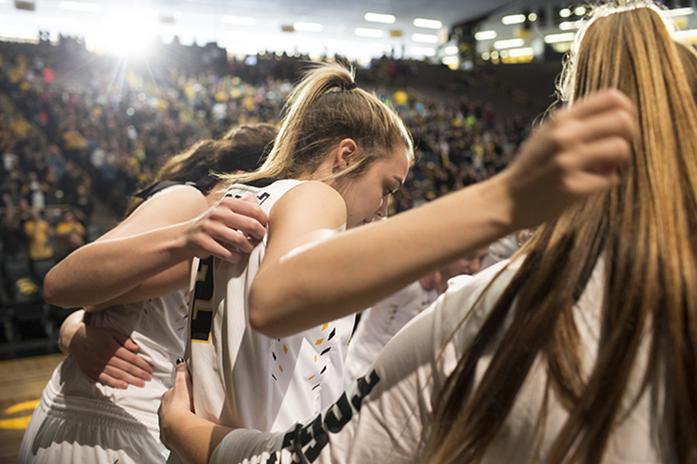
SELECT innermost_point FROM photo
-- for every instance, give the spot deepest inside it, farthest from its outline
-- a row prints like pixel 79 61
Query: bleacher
pixel 96 129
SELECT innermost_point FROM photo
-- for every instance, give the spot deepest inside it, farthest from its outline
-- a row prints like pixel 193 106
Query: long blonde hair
pixel 688 57
pixel 324 108
pixel 645 230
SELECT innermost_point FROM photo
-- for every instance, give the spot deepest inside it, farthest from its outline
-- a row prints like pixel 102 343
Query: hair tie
pixel 351 86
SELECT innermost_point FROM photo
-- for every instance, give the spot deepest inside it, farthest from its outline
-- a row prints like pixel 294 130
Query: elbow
pixel 264 313
pixel 51 291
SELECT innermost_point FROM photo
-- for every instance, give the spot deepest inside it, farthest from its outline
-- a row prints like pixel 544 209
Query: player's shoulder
pixel 188 195
pixel 311 197
pixel 178 203
pixel 314 189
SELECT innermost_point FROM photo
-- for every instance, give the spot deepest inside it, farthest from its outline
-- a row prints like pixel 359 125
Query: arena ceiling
pixel 246 26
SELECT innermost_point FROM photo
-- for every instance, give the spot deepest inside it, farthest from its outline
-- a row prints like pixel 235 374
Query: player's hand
pixel 176 404
pixel 579 152
pixel 228 230
pixel 108 357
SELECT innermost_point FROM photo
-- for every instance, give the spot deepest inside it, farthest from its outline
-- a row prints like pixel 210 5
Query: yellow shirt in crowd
pixel 39 234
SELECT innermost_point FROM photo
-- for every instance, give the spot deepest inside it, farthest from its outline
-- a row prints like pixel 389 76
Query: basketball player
pixel 133 280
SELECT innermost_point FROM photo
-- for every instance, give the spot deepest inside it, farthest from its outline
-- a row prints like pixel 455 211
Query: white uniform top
pixel 382 322
pixel 75 414
pixel 243 378
pixel 383 416
pixel 158 326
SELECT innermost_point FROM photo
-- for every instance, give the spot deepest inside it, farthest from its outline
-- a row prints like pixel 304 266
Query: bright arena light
pixel 485 35
pixel 425 38
pixel 557 38
pixel 125 34
pixel 85 7
pixel 570 25
pixel 428 23
pixel 513 19
pixel 521 52
pixel 679 12
pixel 508 43
pixel 308 27
pixel 425 51
pixel 380 18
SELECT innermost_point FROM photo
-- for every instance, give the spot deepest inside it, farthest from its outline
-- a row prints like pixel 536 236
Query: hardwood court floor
pixel 21 384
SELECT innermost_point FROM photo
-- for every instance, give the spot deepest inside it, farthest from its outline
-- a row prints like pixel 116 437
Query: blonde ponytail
pixel 323 109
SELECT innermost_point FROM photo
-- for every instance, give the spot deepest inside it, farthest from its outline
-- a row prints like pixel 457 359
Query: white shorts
pixel 61 433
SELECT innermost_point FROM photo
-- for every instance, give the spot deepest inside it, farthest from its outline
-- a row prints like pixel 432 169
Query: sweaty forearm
pixel 194 439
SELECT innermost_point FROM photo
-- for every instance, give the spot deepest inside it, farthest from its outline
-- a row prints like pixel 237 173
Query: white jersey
pixel 242 378
pixel 384 415
pixel 380 323
pixel 80 420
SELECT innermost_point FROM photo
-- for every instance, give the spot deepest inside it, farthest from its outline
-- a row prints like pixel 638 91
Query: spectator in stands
pixel 12 234
pixel 36 191
pixel 84 202
pixel 180 110
pixel 38 233
pixel 70 234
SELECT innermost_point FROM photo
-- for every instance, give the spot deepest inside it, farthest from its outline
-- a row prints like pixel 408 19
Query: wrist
pixel 174 426
pixel 177 241
pixel 498 196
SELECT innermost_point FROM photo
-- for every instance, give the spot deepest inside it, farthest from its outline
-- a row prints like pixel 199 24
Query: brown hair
pixel 322 110
pixel 242 148
pixel 689 61
pixel 644 230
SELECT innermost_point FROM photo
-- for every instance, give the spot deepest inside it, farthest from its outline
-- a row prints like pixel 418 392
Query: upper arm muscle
pixel 300 217
pixel 171 206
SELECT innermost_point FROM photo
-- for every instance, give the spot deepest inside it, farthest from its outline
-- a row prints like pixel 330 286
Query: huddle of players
pixel 577 343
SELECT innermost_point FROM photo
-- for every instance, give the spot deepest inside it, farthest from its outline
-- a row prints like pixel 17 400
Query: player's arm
pixel 163 283
pixel 167 230
pixel 305 215
pixel 575 155
pixel 143 245
pixel 190 437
